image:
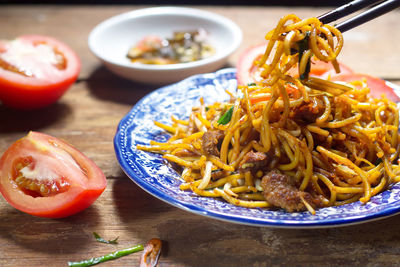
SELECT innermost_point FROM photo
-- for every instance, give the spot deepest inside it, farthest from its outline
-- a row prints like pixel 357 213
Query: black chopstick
pixel 345 10
pixel 368 15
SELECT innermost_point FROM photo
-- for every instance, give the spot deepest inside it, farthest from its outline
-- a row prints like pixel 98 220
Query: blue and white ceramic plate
pixel 158 178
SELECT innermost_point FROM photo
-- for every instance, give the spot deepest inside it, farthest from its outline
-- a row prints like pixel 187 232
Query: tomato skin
pixel 86 180
pixel 376 85
pixel 247 71
pixel 21 92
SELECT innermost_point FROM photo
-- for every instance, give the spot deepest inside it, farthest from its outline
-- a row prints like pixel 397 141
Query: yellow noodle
pixel 176 120
pixel 330 186
pixel 217 162
pixel 327 110
pixel 205 122
pixel 228 179
pixel 348 163
pixel 318 130
pixel 342 123
pixel 242 203
pixel 207 176
pixel 165 127
pixel 248 178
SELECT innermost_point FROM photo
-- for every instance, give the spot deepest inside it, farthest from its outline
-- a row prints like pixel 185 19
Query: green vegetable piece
pixel 100 239
pixel 111 256
pixel 251 84
pixel 226 118
pixel 303 47
pixel 378 161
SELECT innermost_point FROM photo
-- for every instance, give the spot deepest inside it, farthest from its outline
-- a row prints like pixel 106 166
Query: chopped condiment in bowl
pixel 183 47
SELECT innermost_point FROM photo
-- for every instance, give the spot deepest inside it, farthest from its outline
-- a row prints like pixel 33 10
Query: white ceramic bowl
pixel 111 40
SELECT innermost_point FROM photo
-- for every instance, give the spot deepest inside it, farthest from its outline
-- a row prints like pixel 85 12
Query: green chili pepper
pixel 100 239
pixel 111 256
pixel 226 118
pixel 378 161
pixel 303 47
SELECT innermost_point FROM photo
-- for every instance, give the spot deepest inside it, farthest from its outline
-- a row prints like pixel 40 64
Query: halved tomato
pixel 248 72
pixel 47 177
pixel 378 87
pixel 35 71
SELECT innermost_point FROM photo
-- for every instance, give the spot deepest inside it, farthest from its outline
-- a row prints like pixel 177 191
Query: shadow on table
pixel 22 120
pixel 195 240
pixel 105 85
pixel 134 204
pixel 52 236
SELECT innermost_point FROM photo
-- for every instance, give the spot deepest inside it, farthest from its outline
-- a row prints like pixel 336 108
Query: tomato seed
pixel 44 189
pixel 35 187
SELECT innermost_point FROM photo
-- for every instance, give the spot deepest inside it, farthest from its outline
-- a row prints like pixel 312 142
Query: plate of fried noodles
pixel 289 149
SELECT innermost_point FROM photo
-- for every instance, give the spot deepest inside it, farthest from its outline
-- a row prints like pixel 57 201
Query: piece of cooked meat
pixel 308 112
pixel 253 135
pixel 253 161
pixel 280 190
pixel 219 173
pixel 211 141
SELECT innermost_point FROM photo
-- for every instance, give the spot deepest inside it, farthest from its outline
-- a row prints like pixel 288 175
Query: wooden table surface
pixel 87 117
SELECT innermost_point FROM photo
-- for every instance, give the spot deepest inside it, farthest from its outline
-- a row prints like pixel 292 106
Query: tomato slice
pixel 247 71
pixel 35 71
pixel 47 177
pixel 377 86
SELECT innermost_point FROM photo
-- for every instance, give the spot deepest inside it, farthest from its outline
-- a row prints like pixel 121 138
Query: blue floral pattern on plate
pixel 156 176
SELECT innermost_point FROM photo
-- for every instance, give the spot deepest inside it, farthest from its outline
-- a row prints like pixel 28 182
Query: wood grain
pixel 87 116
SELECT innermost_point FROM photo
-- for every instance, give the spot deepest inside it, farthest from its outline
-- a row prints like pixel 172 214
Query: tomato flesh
pixel 30 185
pixel 377 86
pixel 246 70
pixel 46 177
pixel 35 71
